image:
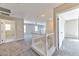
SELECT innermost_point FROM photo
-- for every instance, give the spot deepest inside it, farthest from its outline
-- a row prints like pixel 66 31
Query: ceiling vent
pixel 4 11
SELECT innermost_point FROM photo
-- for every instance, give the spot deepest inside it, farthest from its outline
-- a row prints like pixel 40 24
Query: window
pixel 7 27
pixel 36 28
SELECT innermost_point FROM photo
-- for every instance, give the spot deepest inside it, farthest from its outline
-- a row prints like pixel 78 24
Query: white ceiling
pixel 30 11
pixel 70 15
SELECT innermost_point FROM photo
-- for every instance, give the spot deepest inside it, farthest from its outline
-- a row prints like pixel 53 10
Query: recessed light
pixel 42 15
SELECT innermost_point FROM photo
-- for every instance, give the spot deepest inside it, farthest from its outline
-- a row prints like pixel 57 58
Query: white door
pixel 61 31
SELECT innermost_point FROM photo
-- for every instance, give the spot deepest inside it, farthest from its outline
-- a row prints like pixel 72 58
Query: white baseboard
pixel 12 40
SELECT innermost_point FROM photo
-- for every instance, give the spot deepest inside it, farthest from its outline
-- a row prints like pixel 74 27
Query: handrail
pixel 49 34
pixel 38 33
pixel 43 35
pixel 38 37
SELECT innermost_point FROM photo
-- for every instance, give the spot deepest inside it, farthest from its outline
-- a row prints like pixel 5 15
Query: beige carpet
pixel 70 47
pixel 17 48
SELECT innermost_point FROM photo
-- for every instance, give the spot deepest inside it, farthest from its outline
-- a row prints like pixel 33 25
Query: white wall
pixel 71 28
pixel 78 29
pixel 19 29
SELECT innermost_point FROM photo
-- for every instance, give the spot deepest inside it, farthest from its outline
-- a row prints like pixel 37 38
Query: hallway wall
pixel 71 28
pixel 19 29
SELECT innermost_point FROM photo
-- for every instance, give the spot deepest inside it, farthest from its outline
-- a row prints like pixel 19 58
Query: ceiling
pixel 70 15
pixel 30 11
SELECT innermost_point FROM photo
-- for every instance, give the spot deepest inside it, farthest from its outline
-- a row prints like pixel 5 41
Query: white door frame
pixel 2 31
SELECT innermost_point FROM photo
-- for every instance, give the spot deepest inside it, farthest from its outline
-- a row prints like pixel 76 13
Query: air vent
pixel 4 11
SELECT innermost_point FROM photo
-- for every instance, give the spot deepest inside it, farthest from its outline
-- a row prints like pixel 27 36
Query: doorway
pixel 7 31
pixel 67 32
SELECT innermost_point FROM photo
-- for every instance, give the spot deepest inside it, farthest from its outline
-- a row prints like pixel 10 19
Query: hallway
pixel 70 47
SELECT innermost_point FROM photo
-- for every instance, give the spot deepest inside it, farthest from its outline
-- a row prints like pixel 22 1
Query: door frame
pixel 2 32
pixel 4 40
pixel 56 24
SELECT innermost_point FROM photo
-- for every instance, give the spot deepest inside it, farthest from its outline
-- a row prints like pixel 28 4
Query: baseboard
pixel 12 40
pixel 72 37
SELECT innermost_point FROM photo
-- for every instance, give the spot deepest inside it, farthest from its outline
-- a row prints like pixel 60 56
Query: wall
pixel 30 28
pixel 78 29
pixel 71 28
pixel 19 29
pixel 50 26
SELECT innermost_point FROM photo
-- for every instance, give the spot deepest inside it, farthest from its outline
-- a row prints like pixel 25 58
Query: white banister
pixel 47 40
